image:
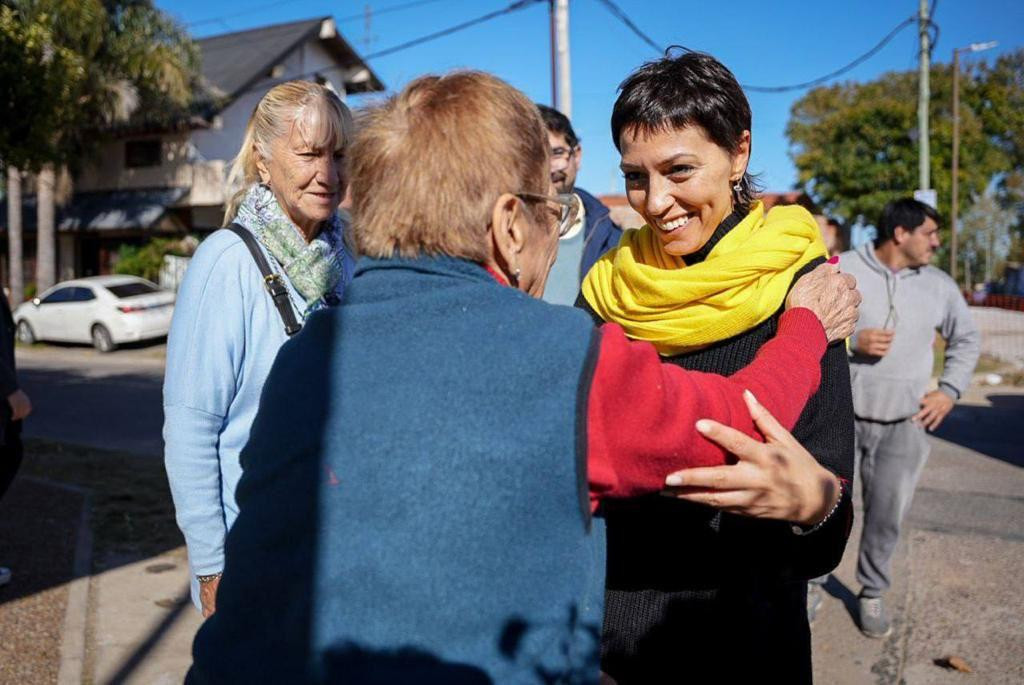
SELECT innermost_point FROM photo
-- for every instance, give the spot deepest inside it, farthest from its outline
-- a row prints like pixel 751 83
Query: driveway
pixel 112 401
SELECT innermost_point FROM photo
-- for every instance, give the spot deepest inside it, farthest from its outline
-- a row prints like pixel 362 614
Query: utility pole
pixel 954 199
pixel 561 75
pixel 923 95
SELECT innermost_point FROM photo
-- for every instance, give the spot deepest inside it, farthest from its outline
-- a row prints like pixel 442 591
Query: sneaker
pixel 874 620
pixel 5 575
pixel 814 601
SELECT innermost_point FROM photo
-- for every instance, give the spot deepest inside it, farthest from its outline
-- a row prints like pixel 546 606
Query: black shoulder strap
pixel 277 289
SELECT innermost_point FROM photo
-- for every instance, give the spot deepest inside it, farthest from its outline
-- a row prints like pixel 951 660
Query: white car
pixel 103 310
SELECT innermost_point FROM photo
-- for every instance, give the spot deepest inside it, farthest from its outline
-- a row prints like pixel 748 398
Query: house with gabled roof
pixel 156 177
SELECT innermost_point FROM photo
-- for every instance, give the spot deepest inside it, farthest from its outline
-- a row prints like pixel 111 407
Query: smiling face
pixel 681 182
pixel 306 176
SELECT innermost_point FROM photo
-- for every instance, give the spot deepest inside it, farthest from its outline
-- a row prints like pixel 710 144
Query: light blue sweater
pixel 224 337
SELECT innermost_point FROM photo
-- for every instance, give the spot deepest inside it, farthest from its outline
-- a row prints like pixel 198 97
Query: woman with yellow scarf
pixel 710 583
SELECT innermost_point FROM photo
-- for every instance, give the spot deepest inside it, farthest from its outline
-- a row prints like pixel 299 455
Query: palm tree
pixel 46 232
pixel 14 251
pixel 130 53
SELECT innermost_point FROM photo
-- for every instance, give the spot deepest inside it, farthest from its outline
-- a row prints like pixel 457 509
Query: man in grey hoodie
pixel 906 302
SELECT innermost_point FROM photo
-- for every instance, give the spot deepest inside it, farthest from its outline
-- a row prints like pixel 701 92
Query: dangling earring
pixel 737 187
pixel 515 276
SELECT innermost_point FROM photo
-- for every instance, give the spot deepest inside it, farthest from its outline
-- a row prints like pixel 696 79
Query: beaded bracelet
pixel 209 578
pixel 801 530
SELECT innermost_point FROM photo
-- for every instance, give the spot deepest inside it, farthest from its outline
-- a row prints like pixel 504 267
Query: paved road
pixel 112 401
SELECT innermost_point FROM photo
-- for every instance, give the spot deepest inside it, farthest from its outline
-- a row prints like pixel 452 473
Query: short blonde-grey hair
pixel 323 120
pixel 427 166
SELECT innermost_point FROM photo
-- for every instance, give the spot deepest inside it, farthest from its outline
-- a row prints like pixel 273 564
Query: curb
pixel 76 614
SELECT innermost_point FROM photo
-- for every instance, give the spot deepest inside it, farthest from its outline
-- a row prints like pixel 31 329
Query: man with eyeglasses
pixel 906 302
pixel 593 232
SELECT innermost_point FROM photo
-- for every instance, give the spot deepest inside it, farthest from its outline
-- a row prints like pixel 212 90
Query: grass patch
pixel 132 510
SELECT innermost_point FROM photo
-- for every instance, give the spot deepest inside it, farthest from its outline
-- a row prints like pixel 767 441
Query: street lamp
pixel 973 47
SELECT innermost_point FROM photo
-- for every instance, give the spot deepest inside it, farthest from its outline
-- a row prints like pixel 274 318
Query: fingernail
pixel 751 396
pixel 674 479
pixel 703 426
pixel 834 259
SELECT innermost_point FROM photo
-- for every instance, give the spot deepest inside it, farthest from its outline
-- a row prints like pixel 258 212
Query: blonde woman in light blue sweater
pixel 227 329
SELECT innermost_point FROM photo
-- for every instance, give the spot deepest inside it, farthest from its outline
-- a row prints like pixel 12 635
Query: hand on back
pixel 832 296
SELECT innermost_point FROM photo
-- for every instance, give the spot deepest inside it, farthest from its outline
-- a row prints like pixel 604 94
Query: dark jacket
pixel 414 505
pixel 8 369
pixel 600 233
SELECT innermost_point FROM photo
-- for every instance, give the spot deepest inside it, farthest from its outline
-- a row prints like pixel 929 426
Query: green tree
pixel 128 59
pixel 41 83
pixel 855 145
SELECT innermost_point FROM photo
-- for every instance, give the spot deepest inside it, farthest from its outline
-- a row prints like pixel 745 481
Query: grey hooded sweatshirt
pixel 915 303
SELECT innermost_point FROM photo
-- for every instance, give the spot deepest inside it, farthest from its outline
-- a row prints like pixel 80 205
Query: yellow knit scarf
pixel 742 282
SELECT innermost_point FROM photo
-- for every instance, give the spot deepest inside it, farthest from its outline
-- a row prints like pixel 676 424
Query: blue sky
pixel 764 43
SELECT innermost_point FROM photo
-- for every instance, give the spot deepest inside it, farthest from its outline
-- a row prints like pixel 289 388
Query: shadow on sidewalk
pixel 838 589
pixel 993 431
pixel 38 534
pixel 131 513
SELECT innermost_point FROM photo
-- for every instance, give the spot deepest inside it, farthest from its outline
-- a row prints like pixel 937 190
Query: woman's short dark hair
pixel 906 212
pixel 675 92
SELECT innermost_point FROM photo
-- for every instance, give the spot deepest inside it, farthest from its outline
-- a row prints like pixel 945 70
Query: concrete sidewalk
pixel 956 590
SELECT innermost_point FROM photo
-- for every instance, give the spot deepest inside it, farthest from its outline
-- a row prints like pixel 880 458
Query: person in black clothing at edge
pixel 12 412
pixel 593 233
pixel 704 578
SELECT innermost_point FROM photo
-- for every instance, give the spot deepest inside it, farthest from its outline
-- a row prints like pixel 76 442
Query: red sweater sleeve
pixel 641 412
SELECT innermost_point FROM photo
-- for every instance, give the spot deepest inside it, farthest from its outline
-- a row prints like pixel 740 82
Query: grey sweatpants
pixel 890 458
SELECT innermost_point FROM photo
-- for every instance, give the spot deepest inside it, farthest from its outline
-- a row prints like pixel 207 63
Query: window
pixel 141 153
pixel 58 296
pixel 82 294
pixel 123 290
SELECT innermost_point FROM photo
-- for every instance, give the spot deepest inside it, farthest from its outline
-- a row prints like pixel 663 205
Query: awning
pixel 114 210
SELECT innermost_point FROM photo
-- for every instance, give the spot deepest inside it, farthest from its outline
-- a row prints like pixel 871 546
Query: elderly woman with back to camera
pixel 444 440
pixel 246 291
pixel 705 281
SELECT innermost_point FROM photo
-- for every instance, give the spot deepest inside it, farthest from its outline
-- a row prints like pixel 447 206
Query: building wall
pixel 223 140
pixel 108 171
pixel 199 160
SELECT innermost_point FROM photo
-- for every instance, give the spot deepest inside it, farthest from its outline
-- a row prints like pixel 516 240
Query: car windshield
pixel 132 289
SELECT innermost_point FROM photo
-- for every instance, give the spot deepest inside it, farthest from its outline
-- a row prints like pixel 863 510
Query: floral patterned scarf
pixel 315 269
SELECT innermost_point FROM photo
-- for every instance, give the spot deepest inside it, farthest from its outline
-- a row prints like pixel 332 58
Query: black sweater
pixel 709 549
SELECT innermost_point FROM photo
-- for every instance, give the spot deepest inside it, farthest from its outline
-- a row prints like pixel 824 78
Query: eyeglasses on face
pixel 563 153
pixel 568 207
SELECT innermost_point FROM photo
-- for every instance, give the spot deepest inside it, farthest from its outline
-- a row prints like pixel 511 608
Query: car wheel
pixel 25 333
pixel 101 339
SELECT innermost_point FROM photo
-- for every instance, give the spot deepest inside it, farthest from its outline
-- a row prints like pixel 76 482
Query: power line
pixel 217 20
pixel 391 8
pixel 278 3
pixel 624 18
pixel 512 7
pixel 842 70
